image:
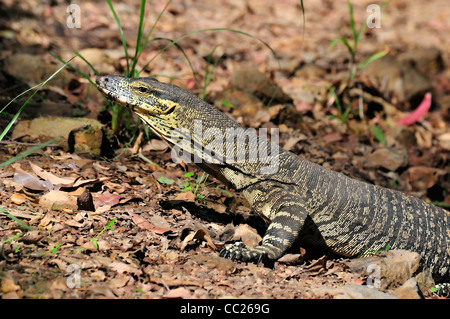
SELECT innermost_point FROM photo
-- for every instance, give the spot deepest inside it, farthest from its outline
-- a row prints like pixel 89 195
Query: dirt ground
pixel 125 221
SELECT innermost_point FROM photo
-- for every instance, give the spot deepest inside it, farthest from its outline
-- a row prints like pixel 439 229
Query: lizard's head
pixel 157 104
pixel 176 115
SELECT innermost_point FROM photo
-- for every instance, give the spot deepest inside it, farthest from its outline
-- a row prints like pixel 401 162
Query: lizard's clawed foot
pixel 239 251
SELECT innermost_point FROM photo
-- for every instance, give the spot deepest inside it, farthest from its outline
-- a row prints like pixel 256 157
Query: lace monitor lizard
pixel 349 216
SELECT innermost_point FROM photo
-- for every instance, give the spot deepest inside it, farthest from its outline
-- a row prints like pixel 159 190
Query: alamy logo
pixel 374 19
pixel 74 279
pixel 73 20
pixel 374 279
pixel 227 146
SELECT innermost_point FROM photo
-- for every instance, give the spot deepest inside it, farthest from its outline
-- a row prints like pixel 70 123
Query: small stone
pixel 419 178
pixel 426 60
pixel 59 200
pixel 248 235
pixel 251 80
pixel 393 266
pixel 79 135
pixel 388 158
pixel 409 290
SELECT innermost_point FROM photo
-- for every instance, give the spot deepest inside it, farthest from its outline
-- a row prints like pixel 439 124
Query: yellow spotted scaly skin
pixel 299 199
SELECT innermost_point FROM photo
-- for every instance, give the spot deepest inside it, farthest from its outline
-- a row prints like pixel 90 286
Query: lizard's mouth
pixel 108 87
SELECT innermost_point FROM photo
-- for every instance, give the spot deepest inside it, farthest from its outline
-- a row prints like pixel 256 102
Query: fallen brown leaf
pixel 291 259
pixel 185 196
pixel 179 292
pixel 248 235
pixel 145 224
pixel 174 282
pixel 55 180
pixel 121 268
pixel 198 234
pixel 317 266
pixel 8 285
pixel 107 199
pixel 30 181
pixel 19 199
pixel 86 182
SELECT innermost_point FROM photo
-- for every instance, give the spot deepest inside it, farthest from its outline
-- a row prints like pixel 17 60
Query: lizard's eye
pixel 143 89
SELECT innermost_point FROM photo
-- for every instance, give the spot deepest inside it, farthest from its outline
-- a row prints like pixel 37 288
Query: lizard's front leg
pixel 288 213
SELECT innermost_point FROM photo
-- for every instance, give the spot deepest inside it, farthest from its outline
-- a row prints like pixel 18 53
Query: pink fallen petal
pixel 418 113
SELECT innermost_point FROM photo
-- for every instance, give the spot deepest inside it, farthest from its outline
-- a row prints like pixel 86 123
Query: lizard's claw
pixel 239 251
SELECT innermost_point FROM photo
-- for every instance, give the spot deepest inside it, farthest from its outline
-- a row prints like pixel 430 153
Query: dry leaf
pixel 155 145
pixel 198 234
pixel 248 235
pixel 332 137
pixel 86 182
pixel 291 259
pixel 185 196
pixel 318 266
pixel 30 181
pixel 55 180
pixel 19 198
pixel 121 268
pixel 107 199
pixel 444 141
pixel 144 224
pixel 8 285
pixel 179 292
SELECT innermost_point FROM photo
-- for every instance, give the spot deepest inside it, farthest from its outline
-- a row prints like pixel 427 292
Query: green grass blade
pixel 30 89
pixel 87 62
pixel 180 49
pixel 39 86
pixel 372 58
pixel 304 24
pixel 209 71
pixel 27 227
pixel 74 68
pixel 139 36
pixel 336 99
pixel 333 43
pixel 122 36
pixel 142 46
pixel 352 24
pixel 378 134
pixel 153 26
pixel 28 152
pixel 345 42
pixel 212 29
pixel 358 37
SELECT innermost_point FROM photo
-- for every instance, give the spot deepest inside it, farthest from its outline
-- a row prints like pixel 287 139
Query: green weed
pixel 94 240
pixel 142 40
pixel 13 241
pixel 21 223
pixel 196 184
pixel 354 66
pixel 373 252
pixel 36 88
pixel 352 48
pixel 378 134
pixel 343 113
pixel 165 180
